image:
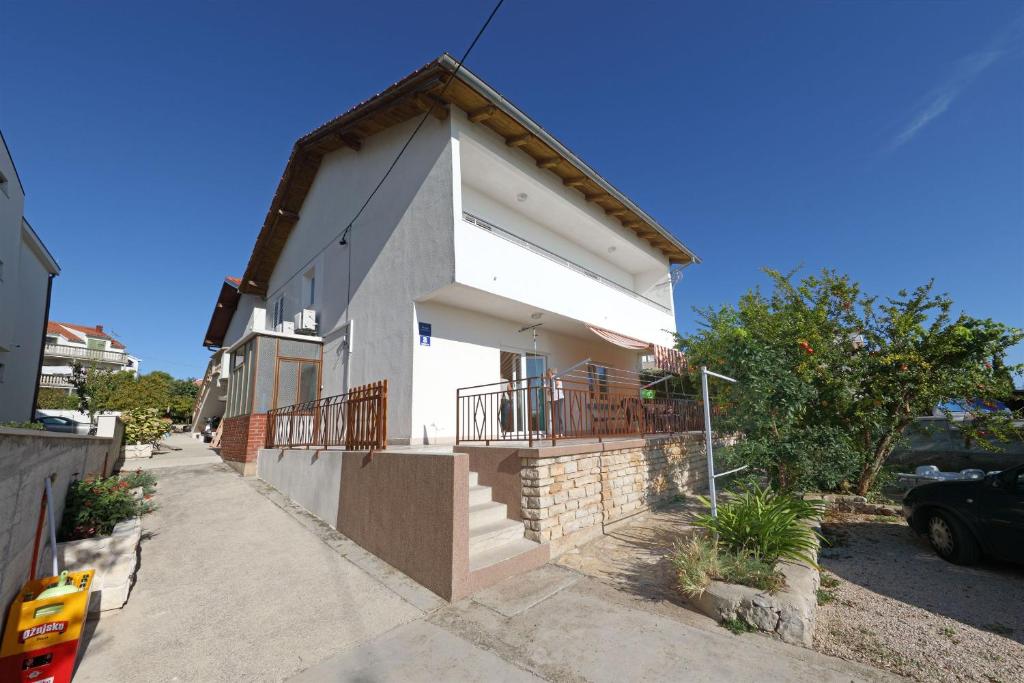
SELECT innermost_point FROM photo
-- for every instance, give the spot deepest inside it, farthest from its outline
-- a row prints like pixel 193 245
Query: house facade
pixel 27 270
pixel 491 254
pixel 92 347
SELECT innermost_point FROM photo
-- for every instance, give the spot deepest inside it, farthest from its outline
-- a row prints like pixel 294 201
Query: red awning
pixel 669 360
pixel 620 339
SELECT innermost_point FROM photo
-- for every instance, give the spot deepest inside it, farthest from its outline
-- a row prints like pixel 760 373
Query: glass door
pixel 533 366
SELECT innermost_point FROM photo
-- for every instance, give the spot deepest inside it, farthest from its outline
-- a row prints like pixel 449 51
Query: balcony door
pixel 525 371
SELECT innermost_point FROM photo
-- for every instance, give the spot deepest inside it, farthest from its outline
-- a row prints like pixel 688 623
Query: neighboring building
pixel 27 270
pixel 212 398
pixel 67 343
pixel 486 228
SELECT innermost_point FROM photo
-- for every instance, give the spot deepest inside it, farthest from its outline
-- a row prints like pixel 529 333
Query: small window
pixel 3 184
pixel 278 313
pixel 309 287
pixel 2 369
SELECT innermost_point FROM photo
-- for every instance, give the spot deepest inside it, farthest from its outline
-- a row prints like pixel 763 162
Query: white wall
pixel 487 262
pixel 465 351
pixel 23 287
pixel 400 250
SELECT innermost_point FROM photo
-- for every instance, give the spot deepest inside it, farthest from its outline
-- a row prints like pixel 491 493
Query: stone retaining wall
pixel 571 492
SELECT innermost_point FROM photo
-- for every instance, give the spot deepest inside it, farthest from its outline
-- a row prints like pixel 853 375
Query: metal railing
pixel 54 380
pixel 539 409
pixel 66 351
pixel 552 256
pixel 355 421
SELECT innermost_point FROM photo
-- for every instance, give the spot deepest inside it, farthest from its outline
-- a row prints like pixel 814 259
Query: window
pixel 278 313
pixel 3 184
pixel 241 380
pixel 96 344
pixel 309 287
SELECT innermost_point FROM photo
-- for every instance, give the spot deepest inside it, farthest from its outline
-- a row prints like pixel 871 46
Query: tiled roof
pixel 53 327
pixel 233 280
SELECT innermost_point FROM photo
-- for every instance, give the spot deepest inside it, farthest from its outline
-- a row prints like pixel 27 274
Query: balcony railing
pixel 356 421
pixel 552 256
pixel 55 380
pixel 537 409
pixel 66 351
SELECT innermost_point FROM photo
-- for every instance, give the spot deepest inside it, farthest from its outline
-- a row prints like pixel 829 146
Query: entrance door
pixel 525 371
pixel 532 368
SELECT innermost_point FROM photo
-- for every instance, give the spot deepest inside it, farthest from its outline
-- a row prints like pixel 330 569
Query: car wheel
pixel 951 539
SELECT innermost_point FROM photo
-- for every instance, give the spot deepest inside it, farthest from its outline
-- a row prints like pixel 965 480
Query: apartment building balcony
pixel 82 353
pixel 55 381
pixel 494 260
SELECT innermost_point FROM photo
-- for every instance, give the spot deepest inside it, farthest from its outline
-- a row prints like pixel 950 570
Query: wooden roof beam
pixel 575 183
pixel 483 113
pixel 549 163
pixel 519 140
pixel 350 141
pixel 432 103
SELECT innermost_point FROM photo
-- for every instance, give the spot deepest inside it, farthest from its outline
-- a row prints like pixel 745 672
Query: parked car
pixel 55 423
pixel 967 518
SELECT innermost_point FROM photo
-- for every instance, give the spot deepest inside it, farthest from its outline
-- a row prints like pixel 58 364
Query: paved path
pixel 177 450
pixel 238 584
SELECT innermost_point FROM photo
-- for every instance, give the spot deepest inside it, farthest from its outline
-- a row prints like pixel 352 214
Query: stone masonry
pixel 571 492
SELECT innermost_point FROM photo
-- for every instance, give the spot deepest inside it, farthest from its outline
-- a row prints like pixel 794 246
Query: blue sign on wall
pixel 425 334
pixel 424 340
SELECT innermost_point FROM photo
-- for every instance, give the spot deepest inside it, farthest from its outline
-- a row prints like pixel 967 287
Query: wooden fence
pixel 357 420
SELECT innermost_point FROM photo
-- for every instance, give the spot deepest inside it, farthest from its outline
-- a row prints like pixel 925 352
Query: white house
pixel 27 270
pixel 490 254
pixel 68 343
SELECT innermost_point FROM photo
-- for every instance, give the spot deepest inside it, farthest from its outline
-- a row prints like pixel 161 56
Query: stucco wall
pixel 411 510
pixel 311 478
pixel 27 457
pixel 400 250
pixel 465 351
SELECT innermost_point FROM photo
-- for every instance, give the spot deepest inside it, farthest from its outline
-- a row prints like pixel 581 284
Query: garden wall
pixel 27 457
pixel 242 437
pixel 571 492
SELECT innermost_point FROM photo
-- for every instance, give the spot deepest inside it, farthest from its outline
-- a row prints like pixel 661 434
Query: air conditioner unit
pixel 305 321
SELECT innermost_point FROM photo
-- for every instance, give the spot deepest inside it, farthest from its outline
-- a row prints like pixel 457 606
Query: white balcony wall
pixel 490 263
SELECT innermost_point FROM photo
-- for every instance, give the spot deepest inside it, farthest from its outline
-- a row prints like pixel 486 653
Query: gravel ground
pixel 898 606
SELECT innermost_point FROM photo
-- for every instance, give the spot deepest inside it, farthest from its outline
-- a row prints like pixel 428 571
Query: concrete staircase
pixel 493 537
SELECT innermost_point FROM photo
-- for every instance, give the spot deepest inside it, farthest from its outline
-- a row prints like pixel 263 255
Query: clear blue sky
pixel 885 139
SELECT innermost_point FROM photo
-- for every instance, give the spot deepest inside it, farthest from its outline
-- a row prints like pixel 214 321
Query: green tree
pixel 829 378
pixel 100 390
pixel 56 399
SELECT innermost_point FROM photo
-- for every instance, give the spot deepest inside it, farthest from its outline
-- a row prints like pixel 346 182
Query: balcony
pixel 81 353
pixel 58 381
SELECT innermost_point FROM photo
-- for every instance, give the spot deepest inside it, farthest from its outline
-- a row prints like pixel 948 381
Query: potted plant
pixel 142 428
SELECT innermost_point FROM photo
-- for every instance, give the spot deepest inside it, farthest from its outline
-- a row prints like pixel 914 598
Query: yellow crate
pixel 33 624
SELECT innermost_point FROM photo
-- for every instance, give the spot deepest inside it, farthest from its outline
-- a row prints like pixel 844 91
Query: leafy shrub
pixel 698 561
pixel 765 525
pixel 94 506
pixel 21 425
pixel 141 478
pixel 142 426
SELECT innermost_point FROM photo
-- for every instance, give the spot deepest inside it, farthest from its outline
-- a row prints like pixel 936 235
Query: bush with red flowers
pixel 95 505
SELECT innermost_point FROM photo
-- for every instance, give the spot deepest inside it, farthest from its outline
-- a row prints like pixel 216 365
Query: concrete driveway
pixel 237 584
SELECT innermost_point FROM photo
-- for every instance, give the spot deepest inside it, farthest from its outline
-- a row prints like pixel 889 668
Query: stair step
pixel 485 513
pixel 494 534
pixel 483 559
pixel 474 479
pixel 479 494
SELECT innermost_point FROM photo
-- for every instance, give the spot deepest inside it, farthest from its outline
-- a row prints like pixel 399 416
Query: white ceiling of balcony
pixel 501 179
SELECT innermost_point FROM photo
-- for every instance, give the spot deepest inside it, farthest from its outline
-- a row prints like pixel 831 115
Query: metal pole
pixel 53 526
pixel 707 438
